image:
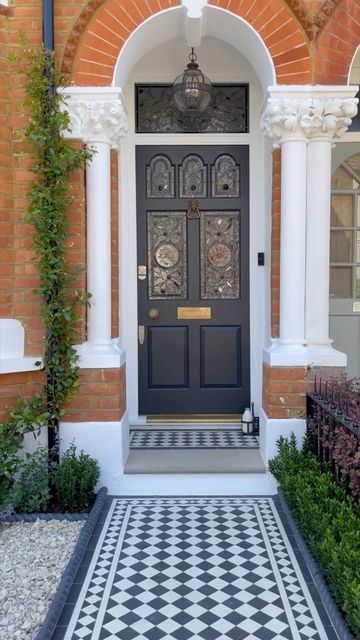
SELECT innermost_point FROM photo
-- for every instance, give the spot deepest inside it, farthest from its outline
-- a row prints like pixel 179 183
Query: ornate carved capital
pixel 95 118
pixel 307 117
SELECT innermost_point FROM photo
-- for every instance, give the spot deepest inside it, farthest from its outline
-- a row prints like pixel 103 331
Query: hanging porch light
pixel 192 89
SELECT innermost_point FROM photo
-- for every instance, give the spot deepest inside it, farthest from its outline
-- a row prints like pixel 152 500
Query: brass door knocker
pixel 193 211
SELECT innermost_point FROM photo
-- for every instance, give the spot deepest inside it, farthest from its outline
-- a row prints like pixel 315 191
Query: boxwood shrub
pixel 328 518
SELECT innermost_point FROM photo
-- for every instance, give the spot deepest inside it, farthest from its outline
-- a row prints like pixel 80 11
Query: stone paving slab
pixel 194 568
pixel 194 461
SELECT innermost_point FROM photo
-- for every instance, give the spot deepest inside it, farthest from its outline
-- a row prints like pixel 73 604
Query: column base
pixel 283 354
pixel 324 355
pixel 101 356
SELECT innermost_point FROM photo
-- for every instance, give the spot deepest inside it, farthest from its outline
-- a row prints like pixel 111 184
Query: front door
pixel 193 279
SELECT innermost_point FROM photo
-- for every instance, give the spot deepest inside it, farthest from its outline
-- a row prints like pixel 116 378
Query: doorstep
pixel 194 461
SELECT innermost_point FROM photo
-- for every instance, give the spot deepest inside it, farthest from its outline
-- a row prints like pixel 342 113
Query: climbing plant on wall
pixel 50 195
pixel 54 159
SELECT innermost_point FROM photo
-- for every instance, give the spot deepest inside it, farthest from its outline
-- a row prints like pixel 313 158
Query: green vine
pixel 53 160
pixel 49 199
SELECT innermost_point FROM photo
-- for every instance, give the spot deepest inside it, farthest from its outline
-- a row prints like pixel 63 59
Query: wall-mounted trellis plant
pixel 54 159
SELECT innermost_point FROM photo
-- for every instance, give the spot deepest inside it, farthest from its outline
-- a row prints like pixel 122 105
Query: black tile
pixel 65 615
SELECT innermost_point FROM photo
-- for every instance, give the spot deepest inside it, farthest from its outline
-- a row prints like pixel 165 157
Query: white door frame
pixel 259 232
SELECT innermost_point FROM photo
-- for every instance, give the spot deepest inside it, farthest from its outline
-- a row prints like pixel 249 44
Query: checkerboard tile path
pixel 192 439
pixel 194 568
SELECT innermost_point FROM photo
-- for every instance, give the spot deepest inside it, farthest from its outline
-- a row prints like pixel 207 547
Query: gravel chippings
pixel 33 557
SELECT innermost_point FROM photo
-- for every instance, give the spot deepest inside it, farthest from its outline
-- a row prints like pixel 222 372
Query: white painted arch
pixel 215 22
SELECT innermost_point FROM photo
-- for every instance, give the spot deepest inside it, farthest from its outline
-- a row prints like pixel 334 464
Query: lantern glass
pixel 192 89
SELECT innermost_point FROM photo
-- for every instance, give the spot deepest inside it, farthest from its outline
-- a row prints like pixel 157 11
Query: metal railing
pixel 334 437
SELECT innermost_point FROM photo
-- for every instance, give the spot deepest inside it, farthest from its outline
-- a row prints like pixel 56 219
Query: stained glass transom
pixel 167 255
pixel 219 250
pixel 225 178
pixel 193 178
pixel 156 111
pixel 160 178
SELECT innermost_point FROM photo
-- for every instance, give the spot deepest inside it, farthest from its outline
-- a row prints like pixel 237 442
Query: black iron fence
pixel 334 436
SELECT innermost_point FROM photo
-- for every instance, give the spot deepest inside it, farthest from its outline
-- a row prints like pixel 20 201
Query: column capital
pixel 96 114
pixel 303 113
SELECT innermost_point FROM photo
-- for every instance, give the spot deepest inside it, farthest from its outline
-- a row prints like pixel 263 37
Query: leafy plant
pixel 74 480
pixel 31 491
pixel 53 160
pixel 26 416
pixel 329 520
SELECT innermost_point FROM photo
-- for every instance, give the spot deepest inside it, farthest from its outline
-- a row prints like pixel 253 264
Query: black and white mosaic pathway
pixel 194 569
pixel 191 439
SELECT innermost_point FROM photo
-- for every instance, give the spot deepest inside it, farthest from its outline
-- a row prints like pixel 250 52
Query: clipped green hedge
pixel 329 520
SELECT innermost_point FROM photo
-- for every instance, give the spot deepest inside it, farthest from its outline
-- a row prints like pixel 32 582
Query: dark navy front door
pixel 193 279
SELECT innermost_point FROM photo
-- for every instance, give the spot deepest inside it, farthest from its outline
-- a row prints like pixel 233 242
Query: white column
pixel 98 117
pixel 292 243
pixel 98 228
pixel 318 241
pixel 304 121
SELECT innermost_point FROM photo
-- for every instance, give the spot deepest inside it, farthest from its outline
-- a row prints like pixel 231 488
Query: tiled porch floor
pixel 193 568
pixel 191 439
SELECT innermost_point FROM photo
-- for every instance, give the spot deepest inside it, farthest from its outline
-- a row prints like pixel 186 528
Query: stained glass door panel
pixel 193 287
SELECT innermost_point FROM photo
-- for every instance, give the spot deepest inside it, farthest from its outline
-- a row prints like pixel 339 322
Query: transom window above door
pixel 156 111
pixel 345 230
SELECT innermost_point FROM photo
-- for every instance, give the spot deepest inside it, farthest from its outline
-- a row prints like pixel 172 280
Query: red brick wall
pixel 101 398
pixel 284 391
pixel 18 385
pixel 6 202
pixel 310 41
pixel 337 43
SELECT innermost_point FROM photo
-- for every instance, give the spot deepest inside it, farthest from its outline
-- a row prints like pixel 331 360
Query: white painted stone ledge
pixel 13 360
pixel 12 341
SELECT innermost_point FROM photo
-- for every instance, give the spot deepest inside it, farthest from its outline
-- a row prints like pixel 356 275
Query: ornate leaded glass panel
pixel 160 178
pixel 225 178
pixel 219 255
pixel 167 255
pixel 193 178
pixel 156 111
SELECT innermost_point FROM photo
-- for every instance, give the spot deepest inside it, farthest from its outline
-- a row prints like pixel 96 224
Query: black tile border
pixel 48 626
pixel 335 615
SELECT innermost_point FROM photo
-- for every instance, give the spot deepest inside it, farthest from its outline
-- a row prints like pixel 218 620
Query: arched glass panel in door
pixel 160 178
pixel 225 178
pixel 193 178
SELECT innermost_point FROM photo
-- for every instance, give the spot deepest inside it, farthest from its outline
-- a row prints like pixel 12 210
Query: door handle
pixel 141 334
pixel 153 314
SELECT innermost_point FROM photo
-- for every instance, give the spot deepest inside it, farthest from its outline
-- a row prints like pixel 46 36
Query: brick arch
pixel 95 38
pixel 99 34
pixel 337 43
pixel 281 31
